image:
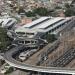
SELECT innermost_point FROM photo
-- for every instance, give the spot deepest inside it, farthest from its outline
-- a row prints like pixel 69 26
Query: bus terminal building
pixel 31 33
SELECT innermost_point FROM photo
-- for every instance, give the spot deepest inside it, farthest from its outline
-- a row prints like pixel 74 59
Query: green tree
pixel 69 12
pixel 67 5
pixel 58 7
pixel 38 11
pixel 4 40
pixel 41 11
pixel 10 70
pixel 49 37
pixel 30 14
pixel 21 10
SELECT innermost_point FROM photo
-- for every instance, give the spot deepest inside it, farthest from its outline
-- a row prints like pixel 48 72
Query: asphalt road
pixel 10 60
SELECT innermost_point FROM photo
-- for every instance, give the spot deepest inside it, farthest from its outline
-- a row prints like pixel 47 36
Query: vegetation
pixel 57 7
pixel 69 11
pixel 2 62
pixel 67 5
pixel 50 37
pixel 4 39
pixel 38 11
pixel 9 70
pixel 21 10
pixel 30 14
pixel 41 11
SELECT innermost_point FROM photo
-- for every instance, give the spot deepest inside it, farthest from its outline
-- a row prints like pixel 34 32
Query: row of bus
pixel 26 54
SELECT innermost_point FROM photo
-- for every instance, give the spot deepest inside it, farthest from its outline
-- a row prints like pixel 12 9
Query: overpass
pixel 8 56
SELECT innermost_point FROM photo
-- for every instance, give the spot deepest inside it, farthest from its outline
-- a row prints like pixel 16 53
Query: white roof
pixel 6 20
pixel 12 22
pixel 40 27
pixel 58 24
pixel 0 20
pixel 46 24
pixel 35 22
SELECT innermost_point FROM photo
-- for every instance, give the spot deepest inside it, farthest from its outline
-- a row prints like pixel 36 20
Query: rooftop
pixel 43 24
pixel 35 22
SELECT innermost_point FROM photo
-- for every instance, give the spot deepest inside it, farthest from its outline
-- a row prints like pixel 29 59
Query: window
pixel 32 41
pixel 29 33
pixel 20 32
pixel 35 41
pixel 27 42
pixel 50 31
pixel 21 42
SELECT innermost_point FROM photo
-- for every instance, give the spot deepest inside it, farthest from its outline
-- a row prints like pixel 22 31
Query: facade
pixel 32 32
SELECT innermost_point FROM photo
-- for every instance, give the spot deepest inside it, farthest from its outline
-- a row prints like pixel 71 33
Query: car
pixel 24 55
pixel 11 46
pixel 3 70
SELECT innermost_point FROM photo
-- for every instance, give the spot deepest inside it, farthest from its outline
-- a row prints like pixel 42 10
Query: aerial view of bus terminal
pixel 37 37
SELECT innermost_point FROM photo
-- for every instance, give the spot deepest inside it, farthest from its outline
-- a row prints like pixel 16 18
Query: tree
pixel 69 12
pixel 49 37
pixel 4 40
pixel 67 5
pixel 30 14
pixel 21 10
pixel 58 7
pixel 41 11
pixel 38 11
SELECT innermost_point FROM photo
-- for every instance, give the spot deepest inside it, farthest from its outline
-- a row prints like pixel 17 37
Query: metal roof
pixel 35 22
pixel 58 24
pixel 7 21
pixel 55 22
pixel 50 22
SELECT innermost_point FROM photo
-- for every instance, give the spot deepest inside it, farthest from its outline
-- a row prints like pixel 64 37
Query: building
pixel 32 32
pixel 7 21
pixel 26 21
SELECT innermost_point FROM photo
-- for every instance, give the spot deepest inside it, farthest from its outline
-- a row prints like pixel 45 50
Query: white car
pixel 23 56
pixel 3 70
